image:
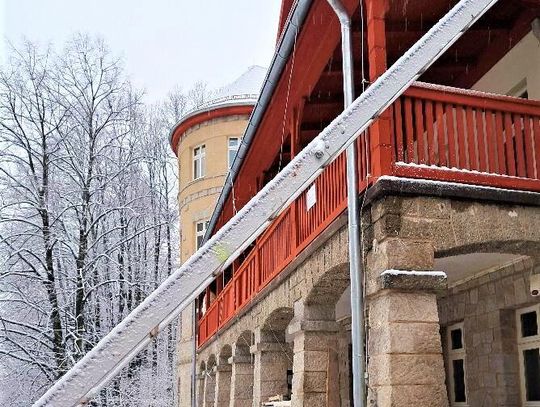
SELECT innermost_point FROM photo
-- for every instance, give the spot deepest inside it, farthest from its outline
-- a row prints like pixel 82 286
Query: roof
pixel 244 91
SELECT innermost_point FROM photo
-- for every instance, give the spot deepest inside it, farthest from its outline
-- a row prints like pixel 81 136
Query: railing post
pixel 380 131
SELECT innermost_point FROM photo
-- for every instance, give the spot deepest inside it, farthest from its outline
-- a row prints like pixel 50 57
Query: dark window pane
pixel 456 339
pixel 531 358
pixel 199 241
pixel 529 324
pixel 459 380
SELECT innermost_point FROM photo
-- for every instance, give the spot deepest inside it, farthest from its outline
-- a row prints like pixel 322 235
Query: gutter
pixel 285 47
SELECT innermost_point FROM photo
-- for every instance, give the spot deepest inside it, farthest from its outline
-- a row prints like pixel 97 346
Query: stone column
pixel 200 389
pixel 316 358
pixel 405 366
pixel 223 384
pixel 270 366
pixel 241 394
pixel 185 357
pixel 209 388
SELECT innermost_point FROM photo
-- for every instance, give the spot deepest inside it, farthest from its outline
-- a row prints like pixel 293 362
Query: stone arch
pixel 318 332
pixel 243 343
pixel 273 357
pixel 211 362
pixel 224 354
pixel 490 245
pixel 330 286
pixel 278 319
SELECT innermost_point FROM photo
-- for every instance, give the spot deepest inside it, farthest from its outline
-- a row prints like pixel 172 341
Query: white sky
pixel 163 42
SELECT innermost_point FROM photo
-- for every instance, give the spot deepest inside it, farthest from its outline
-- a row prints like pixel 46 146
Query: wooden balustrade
pixel 449 134
pixel 438 133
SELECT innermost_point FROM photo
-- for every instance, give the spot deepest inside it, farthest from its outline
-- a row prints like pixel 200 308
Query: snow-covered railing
pixel 83 382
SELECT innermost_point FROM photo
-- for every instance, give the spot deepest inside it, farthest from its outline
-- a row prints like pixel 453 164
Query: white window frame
pixel 199 161
pixel 200 233
pixel 529 342
pixel 456 354
pixel 229 150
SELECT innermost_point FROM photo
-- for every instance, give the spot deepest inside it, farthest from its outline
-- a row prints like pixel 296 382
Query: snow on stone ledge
pixel 412 280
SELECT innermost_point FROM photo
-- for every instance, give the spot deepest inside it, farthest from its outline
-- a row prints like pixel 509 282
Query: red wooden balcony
pixel 437 133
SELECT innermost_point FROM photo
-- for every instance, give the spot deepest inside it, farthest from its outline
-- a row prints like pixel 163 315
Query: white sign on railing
pixel 311 197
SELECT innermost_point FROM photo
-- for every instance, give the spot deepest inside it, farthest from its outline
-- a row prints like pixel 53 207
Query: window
pixel 456 365
pixel 200 231
pixel 234 143
pixel 529 354
pixel 199 161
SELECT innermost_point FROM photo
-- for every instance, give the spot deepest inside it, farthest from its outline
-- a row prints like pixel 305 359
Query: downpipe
pixel 355 266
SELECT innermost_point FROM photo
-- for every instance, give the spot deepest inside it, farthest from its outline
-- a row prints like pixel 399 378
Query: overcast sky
pixel 163 42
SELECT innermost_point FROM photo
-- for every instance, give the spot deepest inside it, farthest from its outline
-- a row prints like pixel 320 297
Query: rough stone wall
pixel 486 305
pixel 406 233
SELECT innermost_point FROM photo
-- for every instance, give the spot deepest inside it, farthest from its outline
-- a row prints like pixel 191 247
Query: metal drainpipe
pixel 355 267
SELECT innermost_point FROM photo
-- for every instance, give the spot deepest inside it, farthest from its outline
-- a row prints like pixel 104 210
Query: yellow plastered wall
pixel 518 69
pixel 197 198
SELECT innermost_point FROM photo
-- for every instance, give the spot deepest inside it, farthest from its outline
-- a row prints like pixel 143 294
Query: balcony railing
pixel 437 133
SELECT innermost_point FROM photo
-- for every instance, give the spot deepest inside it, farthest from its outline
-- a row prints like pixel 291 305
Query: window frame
pixel 456 354
pixel 229 150
pixel 200 234
pixel 526 343
pixel 199 161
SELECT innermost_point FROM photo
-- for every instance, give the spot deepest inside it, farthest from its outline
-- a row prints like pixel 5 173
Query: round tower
pixel 205 141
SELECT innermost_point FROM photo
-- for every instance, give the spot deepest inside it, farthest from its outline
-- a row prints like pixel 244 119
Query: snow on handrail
pixel 83 381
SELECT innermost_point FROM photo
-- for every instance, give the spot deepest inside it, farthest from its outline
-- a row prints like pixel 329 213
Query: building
pixel 449 181
pixel 205 141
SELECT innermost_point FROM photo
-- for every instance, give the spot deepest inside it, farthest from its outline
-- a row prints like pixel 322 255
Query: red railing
pixel 290 233
pixel 467 136
pixel 437 133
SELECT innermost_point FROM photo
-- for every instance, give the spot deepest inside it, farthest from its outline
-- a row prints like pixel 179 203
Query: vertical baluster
pixel 441 140
pixel 398 142
pixel 430 134
pixel 536 131
pixel 501 149
pixel 460 116
pixel 451 143
pixel 529 146
pixel 509 142
pixel 491 141
pixel 409 130
pixel 481 141
pixel 520 153
pixel 419 121
pixel 471 139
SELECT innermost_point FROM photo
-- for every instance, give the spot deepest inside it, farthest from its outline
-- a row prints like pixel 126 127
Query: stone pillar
pixel 271 362
pixel 405 366
pixel 200 389
pixel 241 394
pixel 316 356
pixel 185 357
pixel 223 384
pixel 210 387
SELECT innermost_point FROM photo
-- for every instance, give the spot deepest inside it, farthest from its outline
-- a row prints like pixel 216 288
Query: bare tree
pixel 88 217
